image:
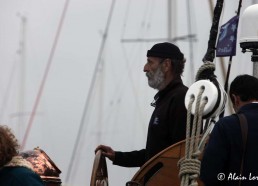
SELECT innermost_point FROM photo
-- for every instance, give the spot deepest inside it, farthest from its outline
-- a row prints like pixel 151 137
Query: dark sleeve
pixel 26 177
pixel 214 157
pixel 34 180
pixel 130 159
pixel 177 118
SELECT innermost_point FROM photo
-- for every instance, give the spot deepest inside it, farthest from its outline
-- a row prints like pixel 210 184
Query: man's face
pixel 154 72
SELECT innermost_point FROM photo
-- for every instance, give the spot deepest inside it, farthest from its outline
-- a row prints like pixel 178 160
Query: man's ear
pixel 235 99
pixel 167 65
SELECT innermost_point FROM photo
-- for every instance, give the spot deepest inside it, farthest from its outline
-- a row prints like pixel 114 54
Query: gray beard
pixel 156 79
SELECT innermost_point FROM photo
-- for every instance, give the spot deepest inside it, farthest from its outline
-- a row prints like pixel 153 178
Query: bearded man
pixel 164 67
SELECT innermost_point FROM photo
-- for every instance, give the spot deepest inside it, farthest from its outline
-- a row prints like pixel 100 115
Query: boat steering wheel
pixel 99 175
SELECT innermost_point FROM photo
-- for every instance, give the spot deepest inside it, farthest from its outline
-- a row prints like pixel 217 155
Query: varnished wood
pixel 168 173
pixel 99 175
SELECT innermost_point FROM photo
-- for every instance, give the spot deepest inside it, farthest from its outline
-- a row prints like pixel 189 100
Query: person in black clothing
pixel 164 67
pixel 224 154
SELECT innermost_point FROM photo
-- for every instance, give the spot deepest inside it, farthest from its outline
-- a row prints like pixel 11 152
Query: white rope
pixel 190 164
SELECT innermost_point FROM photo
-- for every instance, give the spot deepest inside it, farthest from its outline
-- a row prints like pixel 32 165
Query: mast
pixel 173 25
pixel 191 47
pixel 98 66
pixel 45 75
pixel 22 65
pixel 172 21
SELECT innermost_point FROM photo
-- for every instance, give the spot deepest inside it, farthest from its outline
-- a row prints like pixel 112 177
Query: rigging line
pixel 7 92
pixel 122 35
pixel 229 65
pixel 190 40
pixel 239 7
pixel 129 69
pixel 210 53
pixel 140 33
pixel 145 14
pixel 133 85
pixel 150 16
pixel 175 39
pixel 21 53
pixel 211 6
pixel 85 111
pixel 114 100
pixel 137 111
pixel 125 18
pixel 143 23
pixel 221 59
pixel 41 88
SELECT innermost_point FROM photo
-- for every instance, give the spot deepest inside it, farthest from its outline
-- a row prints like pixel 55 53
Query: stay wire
pixel 44 79
pixel 86 106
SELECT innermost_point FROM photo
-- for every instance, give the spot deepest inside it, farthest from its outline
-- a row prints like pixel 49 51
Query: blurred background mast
pixel 22 65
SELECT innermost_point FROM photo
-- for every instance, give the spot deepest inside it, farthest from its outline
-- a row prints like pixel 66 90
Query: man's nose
pixel 146 68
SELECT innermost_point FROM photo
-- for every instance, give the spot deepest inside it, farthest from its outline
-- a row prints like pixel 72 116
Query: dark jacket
pixel 166 127
pixel 223 153
pixel 19 176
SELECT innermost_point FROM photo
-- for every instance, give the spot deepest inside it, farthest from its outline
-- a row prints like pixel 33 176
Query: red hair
pixel 8 145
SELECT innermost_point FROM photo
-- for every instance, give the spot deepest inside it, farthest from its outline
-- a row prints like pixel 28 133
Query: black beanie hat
pixel 165 50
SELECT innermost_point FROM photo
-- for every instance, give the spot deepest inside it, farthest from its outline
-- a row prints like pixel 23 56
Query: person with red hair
pixel 14 170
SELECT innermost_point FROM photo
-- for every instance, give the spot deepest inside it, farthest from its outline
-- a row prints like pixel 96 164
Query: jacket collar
pixel 18 161
pixel 247 107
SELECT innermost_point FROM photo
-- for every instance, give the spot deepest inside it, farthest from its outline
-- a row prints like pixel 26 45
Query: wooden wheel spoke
pixel 99 175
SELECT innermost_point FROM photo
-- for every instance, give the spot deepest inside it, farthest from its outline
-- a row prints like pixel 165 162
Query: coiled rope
pixel 190 164
pixel 206 71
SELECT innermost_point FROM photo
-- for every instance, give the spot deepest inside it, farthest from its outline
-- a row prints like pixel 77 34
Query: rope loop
pixel 206 71
pixel 189 167
pixel 196 154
